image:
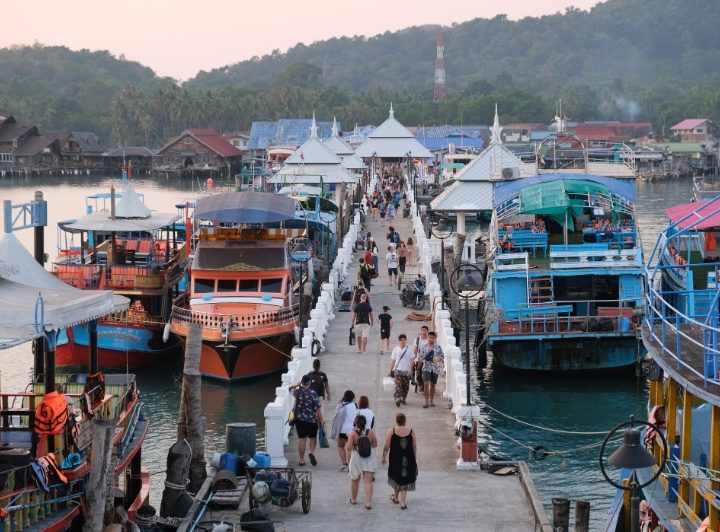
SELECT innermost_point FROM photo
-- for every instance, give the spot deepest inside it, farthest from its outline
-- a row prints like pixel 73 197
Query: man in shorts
pixel 308 416
pixel 432 358
pixel 392 265
pixel 362 322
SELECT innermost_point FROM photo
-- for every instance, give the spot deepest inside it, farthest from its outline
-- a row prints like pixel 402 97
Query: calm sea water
pixel 587 404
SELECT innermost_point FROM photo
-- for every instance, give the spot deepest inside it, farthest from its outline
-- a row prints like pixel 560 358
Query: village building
pixel 694 130
pixel 200 150
pixel 238 139
pixel 79 149
pixel 140 158
pixel 284 133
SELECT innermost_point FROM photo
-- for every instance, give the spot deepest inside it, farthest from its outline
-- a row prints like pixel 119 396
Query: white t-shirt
pixel 349 422
pixel 392 260
pixel 402 363
pixel 369 416
pixel 419 343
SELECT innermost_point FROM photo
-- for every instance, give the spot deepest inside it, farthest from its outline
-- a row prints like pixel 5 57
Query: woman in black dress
pixel 401 443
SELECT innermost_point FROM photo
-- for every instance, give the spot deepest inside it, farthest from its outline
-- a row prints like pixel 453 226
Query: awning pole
pixel 565 230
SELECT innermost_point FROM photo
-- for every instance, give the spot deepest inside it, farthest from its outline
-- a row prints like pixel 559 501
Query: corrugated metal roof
pixel 465 196
pixel 690 123
pixel 213 140
pixel 284 132
pixel 88 141
pixel 489 164
pixel 442 143
pixel 34 145
pixel 451 131
pixel 680 147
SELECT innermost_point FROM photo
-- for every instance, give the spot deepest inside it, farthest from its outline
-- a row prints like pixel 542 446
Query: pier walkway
pixel 445 497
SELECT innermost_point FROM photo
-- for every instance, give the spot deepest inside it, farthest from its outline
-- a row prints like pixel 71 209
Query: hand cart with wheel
pixel 279 486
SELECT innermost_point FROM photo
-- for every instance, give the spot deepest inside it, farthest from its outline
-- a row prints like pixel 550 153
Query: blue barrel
pixel 240 438
pixel 229 461
pixel 262 459
pixel 624 323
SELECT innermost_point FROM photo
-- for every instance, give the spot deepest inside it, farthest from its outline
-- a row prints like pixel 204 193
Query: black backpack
pixel 317 383
pixel 363 446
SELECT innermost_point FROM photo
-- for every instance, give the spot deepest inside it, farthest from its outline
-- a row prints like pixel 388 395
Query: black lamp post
pixel 300 251
pixel 466 287
pixel 441 230
pixel 633 455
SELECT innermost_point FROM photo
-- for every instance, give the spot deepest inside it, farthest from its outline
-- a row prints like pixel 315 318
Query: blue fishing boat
pixel 681 332
pixel 566 274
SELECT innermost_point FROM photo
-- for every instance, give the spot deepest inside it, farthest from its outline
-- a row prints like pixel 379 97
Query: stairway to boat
pixel 540 291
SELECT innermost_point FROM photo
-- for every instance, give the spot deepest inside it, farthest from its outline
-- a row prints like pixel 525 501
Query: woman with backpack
pixel 342 425
pixel 362 442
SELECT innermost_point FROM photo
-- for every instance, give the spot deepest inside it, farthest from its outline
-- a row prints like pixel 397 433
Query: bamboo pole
pixel 101 474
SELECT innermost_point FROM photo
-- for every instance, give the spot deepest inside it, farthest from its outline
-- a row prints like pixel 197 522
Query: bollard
pixel 240 438
pixel 582 516
pixel 561 514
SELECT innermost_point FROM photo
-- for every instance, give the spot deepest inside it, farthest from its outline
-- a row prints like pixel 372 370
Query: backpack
pixel 363 446
pixel 316 383
pixel 395 238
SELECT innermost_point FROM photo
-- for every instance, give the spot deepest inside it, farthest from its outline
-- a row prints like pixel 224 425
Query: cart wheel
pixel 305 495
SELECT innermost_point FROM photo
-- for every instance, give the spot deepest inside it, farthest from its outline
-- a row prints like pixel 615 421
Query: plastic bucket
pixel 229 461
pixel 262 459
pixel 624 323
pixel 215 460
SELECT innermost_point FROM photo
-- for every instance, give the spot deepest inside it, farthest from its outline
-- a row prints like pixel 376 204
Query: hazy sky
pixel 178 38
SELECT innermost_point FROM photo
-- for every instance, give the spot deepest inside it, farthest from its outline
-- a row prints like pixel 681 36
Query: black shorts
pixel 429 376
pixel 392 271
pixel 305 429
pixel 384 335
pixel 342 436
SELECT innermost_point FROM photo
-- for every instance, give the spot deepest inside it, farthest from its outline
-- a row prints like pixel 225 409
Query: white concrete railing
pixel 277 411
pixel 468 248
pixel 455 376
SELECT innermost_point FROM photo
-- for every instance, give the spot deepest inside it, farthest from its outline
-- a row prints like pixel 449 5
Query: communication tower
pixel 440 92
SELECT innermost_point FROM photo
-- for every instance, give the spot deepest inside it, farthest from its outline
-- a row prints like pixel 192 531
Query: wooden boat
pixel 137 254
pixel 241 288
pixel 681 334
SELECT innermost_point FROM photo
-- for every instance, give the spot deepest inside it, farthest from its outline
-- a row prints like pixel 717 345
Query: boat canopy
pixel 245 208
pixel 101 221
pixel 624 188
pixel 697 215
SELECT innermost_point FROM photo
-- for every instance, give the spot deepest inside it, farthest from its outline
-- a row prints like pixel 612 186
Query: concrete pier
pixel 445 497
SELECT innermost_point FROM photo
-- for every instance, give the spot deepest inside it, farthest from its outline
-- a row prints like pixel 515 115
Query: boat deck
pixel 688 372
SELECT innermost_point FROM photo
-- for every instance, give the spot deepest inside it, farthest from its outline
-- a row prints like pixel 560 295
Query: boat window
pixel 271 285
pixel 248 285
pixel 227 285
pixel 203 286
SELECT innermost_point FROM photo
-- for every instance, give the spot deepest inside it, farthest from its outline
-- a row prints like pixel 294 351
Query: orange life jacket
pixel 51 414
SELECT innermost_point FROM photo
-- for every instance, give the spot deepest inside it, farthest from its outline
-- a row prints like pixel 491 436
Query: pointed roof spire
pixel 313 128
pixel 392 112
pixel 496 129
pixel 334 128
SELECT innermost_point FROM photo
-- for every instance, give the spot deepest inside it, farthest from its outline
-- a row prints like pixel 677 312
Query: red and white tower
pixel 440 92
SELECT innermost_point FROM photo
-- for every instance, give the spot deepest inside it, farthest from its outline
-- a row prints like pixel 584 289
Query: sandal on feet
pixel 403 506
pixel 368 507
pixel 394 500
pixel 313 461
pixel 353 502
pixel 426 406
pixel 301 463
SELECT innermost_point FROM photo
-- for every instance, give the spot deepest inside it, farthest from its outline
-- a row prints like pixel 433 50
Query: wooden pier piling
pixel 100 489
pixel 561 514
pixel 582 516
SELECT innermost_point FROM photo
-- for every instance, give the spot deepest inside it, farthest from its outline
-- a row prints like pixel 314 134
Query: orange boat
pixel 241 293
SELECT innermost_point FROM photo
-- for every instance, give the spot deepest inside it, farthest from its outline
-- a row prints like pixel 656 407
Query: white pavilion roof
pixel 464 196
pixel 392 140
pixel 343 150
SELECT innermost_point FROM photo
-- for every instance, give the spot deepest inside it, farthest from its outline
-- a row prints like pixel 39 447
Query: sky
pixel 178 38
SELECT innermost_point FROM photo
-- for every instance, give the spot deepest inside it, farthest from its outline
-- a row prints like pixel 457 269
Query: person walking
pixel 319 381
pixel 383 212
pixel 362 321
pixel 432 358
pixel 342 424
pixel 363 409
pixel 421 342
pixel 391 211
pixel 410 251
pixel 364 273
pixel 401 445
pixel 386 323
pixel 308 416
pixel 402 256
pixel 393 236
pixel 392 265
pixel 401 366
pixel 374 204
pixel 362 442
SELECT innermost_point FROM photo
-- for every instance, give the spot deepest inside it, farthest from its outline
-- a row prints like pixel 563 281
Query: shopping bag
pixel 322 437
pixel 388 384
pixel 351 338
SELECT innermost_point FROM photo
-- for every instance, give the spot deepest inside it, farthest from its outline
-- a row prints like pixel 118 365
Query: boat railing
pixel 570 317
pixel 29 504
pixel 512 261
pixel 592 256
pixel 237 320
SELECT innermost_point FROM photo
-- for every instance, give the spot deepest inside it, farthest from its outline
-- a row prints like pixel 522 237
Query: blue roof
pixel 285 132
pixel 442 143
pixel 624 188
pixel 451 131
pixel 540 135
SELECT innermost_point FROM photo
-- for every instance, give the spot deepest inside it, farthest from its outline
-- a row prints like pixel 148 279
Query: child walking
pixel 386 324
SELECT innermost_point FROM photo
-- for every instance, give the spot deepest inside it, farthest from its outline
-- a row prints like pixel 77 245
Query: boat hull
pixel 245 359
pixel 586 353
pixel 119 346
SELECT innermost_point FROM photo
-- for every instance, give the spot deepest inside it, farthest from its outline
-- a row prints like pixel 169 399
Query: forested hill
pixel 639 41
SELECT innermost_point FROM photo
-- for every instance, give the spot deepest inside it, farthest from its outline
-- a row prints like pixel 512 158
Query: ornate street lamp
pixel 300 251
pixel 466 282
pixel 632 455
pixel 441 230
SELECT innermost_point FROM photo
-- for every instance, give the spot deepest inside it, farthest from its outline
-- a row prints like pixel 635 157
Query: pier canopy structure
pixel 343 150
pixel 23 283
pixel 472 190
pixel 392 140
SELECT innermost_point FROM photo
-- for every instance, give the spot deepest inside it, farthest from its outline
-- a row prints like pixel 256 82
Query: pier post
pixel 178 468
pixel 93 341
pixel 582 516
pixel 100 495
pixel 191 420
pixel 40 229
pixel 561 514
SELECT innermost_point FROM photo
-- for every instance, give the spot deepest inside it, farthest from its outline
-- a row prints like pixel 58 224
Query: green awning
pixel 452 166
